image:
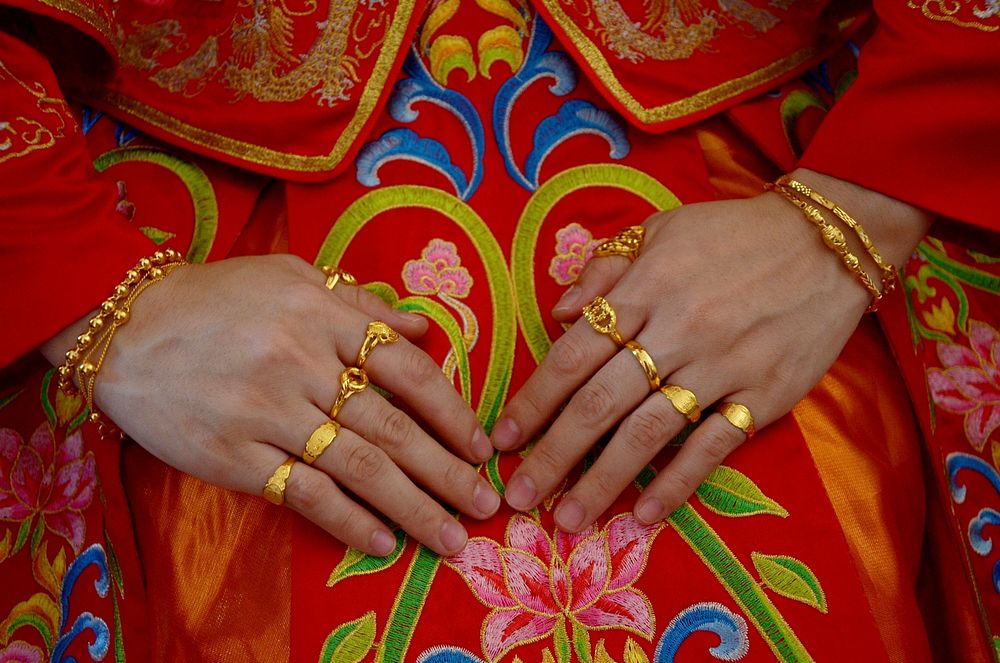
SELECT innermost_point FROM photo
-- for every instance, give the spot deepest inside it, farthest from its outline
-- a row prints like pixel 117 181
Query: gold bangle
pixel 888 270
pixel 834 239
pixel 646 362
pixel 85 359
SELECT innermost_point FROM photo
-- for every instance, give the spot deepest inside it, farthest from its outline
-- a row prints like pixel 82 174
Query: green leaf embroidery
pixel 50 410
pixel 581 641
pixel 561 642
pixel 7 400
pixel 350 642
pixel 357 563
pixel 22 535
pixel 36 538
pixel 158 236
pixel 729 492
pixel 789 577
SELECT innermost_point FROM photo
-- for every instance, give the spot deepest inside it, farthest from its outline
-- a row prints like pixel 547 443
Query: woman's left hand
pixel 737 301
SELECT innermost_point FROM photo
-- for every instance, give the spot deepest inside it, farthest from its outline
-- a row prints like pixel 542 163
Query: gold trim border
pixel 675 109
pixel 265 156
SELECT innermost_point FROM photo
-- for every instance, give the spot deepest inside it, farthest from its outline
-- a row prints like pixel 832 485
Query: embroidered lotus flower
pixel 536 584
pixel 574 247
pixel 21 652
pixel 969 381
pixel 439 271
pixel 39 478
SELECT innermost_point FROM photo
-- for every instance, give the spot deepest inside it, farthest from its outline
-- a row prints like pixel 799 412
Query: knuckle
pixel 596 402
pixel 346 526
pixel 419 368
pixel 364 462
pixel 304 298
pixel 717 443
pixel 395 428
pixel 645 431
pixel 460 477
pixel 546 462
pixel 306 492
pixel 417 515
pixel 567 355
pixel 682 484
pixel 603 486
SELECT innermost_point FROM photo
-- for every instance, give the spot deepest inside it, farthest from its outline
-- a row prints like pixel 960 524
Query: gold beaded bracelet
pixel 85 359
pixel 834 238
pixel 888 270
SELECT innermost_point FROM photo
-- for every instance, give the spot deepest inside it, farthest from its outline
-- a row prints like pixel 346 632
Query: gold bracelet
pixel 833 237
pixel 85 359
pixel 888 271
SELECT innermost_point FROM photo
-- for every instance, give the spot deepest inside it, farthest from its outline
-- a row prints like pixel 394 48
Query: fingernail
pixel 569 301
pixel 521 492
pixel 506 434
pixel 649 510
pixel 383 543
pixel 569 516
pixel 485 498
pixel 453 536
pixel 481 447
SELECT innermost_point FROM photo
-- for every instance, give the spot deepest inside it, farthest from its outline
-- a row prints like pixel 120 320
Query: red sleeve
pixel 922 121
pixel 63 247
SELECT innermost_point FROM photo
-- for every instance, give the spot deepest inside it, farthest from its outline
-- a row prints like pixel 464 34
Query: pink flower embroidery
pixel 39 478
pixel 574 247
pixel 969 382
pixel 21 652
pixel 535 583
pixel 439 270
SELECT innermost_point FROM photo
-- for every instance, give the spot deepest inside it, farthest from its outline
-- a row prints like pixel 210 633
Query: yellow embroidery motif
pixel 22 135
pixel 957 12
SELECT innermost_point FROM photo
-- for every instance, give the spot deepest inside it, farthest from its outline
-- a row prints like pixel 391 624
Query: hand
pixel 225 369
pixel 737 301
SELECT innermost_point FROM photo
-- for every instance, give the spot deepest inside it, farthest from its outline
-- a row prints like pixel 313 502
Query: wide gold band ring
pixel 683 400
pixel 320 441
pixel 603 318
pixel 739 415
pixel 646 362
pixel 626 243
pixel 377 333
pixel 274 489
pixel 352 381
pixel 335 275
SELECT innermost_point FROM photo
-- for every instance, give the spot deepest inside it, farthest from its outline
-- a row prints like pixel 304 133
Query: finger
pixel 411 375
pixel 703 451
pixel 639 438
pixel 409 325
pixel 576 356
pixel 423 459
pixel 370 473
pixel 313 494
pixel 598 278
pixel 599 404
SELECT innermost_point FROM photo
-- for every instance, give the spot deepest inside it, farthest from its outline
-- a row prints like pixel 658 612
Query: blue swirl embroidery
pixel 539 63
pixel 734 640
pixel 86 621
pixel 448 655
pixel 574 118
pixel 981 545
pixel 421 86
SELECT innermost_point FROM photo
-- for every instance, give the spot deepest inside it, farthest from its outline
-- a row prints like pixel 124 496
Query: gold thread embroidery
pixel 87 14
pixel 22 135
pixel 265 156
pixel 682 107
pixel 946 11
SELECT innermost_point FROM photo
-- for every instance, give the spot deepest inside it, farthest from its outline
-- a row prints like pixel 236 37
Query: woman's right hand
pixel 225 369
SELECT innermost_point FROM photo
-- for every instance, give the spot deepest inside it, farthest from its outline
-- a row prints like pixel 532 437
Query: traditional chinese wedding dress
pixel 463 159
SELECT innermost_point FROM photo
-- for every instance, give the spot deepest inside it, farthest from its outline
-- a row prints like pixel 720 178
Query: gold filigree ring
pixel 683 400
pixel 739 415
pixel 320 441
pixel 335 275
pixel 352 381
pixel 603 318
pixel 377 333
pixel 626 243
pixel 274 489
pixel 646 362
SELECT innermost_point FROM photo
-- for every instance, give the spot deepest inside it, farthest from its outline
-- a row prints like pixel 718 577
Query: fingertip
pixel 382 543
pixel 506 434
pixel 570 515
pixel 486 500
pixel 481 448
pixel 650 510
pixel 453 537
pixel 410 325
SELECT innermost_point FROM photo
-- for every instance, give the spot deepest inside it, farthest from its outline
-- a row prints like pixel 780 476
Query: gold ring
pixel 626 243
pixel 683 400
pixel 603 319
pixel 352 381
pixel 274 489
pixel 648 367
pixel 335 275
pixel 739 416
pixel 377 333
pixel 320 440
